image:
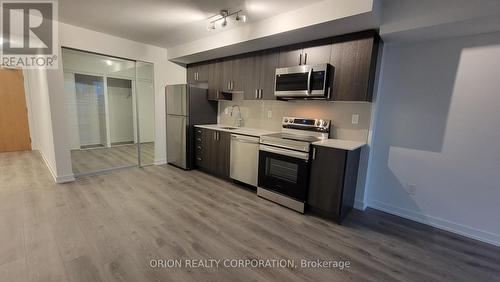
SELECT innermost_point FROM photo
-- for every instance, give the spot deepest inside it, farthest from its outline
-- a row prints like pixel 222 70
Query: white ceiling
pixel 165 23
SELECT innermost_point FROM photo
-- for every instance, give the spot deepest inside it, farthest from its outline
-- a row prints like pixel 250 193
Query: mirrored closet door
pixel 110 111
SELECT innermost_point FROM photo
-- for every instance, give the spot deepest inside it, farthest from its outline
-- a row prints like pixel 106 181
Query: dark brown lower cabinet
pixel 201 148
pixel 213 151
pixel 332 185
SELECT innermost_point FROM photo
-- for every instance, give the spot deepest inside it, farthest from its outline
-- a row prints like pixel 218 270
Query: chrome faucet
pixel 239 119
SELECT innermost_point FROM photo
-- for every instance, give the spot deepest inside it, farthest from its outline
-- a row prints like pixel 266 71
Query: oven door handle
pixel 285 152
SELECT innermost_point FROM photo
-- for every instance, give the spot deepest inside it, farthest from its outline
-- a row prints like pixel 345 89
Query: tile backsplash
pixel 268 114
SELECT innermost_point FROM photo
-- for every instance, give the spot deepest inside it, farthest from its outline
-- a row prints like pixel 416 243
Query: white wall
pixel 41 121
pixel 88 40
pixel 437 128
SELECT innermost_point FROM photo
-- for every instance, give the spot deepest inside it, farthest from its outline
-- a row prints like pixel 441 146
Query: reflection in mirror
pixel 146 110
pixel 101 98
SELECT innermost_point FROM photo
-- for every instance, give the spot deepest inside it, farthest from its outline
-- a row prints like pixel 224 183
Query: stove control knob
pixel 286 120
pixel 318 123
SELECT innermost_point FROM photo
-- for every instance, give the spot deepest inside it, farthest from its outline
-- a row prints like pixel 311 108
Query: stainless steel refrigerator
pixel 186 105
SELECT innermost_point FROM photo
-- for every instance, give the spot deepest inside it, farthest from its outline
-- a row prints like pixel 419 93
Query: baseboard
pixel 440 223
pixel 160 161
pixel 57 179
pixel 65 178
pixel 360 205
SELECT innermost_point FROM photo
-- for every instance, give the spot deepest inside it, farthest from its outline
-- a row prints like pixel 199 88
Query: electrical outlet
pixel 412 189
pixel 269 114
pixel 355 119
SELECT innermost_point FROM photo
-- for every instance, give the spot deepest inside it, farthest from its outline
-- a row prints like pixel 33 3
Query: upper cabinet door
pixel 268 62
pixel 251 73
pixel 214 80
pixel 227 75
pixel 191 73
pixel 290 56
pixel 317 54
pixel 354 60
pixel 202 75
pixel 238 73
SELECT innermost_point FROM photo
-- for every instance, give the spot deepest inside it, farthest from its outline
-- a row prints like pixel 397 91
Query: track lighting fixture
pixel 223 18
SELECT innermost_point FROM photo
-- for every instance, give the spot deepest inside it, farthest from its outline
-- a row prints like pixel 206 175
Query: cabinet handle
pixel 300 59
pixel 256 93
pixel 217 94
pixel 305 58
pixel 232 85
pixel 217 135
pixel 214 136
pixel 314 153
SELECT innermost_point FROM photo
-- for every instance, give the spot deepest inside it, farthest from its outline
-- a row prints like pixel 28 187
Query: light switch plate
pixel 355 119
pixel 226 111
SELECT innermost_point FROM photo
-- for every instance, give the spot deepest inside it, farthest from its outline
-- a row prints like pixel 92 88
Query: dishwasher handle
pixel 245 139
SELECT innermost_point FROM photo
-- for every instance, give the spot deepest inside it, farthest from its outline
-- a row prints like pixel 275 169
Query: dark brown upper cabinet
pixel 251 70
pixel 197 73
pixel 232 74
pixel 191 73
pixel 259 71
pixel 268 63
pixel 354 58
pixel 290 56
pixel 313 53
pixel 216 90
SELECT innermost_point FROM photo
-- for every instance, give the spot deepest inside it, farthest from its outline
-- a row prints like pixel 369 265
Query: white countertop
pixel 331 143
pixel 340 144
pixel 241 130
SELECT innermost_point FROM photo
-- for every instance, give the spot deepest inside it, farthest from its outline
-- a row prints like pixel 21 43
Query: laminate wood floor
pixel 109 227
pixel 90 160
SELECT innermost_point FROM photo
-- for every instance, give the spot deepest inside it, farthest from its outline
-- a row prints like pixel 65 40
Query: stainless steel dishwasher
pixel 244 159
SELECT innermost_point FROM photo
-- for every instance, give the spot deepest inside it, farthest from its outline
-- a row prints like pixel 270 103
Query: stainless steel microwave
pixel 303 82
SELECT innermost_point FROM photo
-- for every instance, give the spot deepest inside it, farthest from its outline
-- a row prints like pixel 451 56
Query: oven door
pixel 284 171
pixel 307 81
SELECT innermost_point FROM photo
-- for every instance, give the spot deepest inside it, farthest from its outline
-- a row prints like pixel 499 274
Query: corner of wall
pixel 360 205
pixel 373 121
pixel 57 179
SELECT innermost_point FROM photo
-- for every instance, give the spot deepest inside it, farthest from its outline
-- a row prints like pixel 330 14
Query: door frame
pixel 31 122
